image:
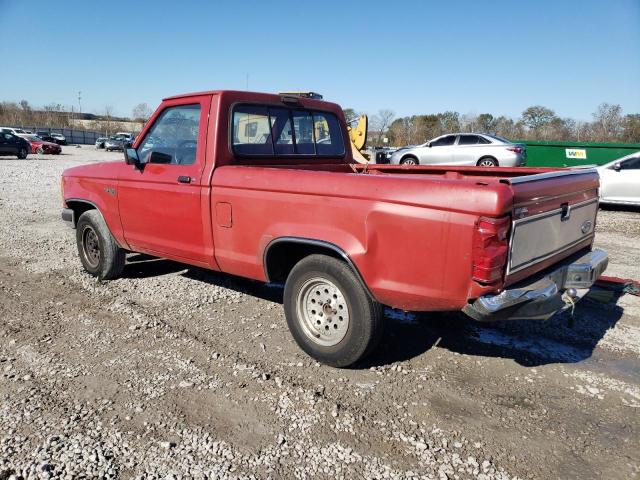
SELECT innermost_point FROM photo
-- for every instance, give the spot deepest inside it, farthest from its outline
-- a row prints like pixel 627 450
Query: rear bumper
pixel 543 296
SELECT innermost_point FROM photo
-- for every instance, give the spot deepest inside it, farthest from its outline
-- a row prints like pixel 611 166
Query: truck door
pixel 160 200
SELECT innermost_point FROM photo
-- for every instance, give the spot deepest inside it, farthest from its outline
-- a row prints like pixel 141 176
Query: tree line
pixel 23 114
pixel 55 115
pixel 537 122
pixel 608 124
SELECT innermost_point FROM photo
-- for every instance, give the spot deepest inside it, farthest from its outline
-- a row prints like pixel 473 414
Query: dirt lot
pixel 176 372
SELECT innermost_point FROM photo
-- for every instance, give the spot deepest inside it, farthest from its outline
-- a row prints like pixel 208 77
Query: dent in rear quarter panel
pixel 405 252
pixel 96 191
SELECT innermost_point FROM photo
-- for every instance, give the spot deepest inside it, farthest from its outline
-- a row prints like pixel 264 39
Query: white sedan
pixel 620 181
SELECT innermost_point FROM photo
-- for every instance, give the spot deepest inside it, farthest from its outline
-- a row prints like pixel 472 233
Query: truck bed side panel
pixel 412 256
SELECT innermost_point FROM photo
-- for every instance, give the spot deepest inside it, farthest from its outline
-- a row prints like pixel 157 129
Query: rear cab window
pixel 262 131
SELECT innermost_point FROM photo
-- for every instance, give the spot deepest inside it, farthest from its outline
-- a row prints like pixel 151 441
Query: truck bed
pixel 370 210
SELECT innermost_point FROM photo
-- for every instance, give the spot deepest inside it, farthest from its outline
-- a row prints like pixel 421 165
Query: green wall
pixel 569 154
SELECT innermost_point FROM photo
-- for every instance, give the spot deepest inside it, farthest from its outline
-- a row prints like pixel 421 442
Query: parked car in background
pixel 620 181
pixel 14 131
pixel 38 145
pixel 463 149
pixel 11 144
pixel 114 143
pixel 46 136
pixel 59 138
pixel 100 142
pixel 129 137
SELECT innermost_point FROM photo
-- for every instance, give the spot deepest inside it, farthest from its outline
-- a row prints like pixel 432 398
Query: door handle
pixel 184 179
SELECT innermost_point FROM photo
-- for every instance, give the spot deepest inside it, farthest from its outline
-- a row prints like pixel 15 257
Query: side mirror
pixel 131 156
pixel 617 166
pixel 429 145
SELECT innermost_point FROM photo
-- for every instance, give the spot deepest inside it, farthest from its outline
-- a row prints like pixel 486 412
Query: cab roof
pixel 245 96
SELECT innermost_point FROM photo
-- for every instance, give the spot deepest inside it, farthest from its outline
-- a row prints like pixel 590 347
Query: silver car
pixel 620 181
pixel 463 149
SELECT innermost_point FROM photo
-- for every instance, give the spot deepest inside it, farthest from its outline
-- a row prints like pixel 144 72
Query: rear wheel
pixel 22 153
pixel 409 161
pixel 330 314
pixel 99 253
pixel 487 162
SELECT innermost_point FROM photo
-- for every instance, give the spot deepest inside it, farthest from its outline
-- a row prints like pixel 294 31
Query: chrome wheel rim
pixel 486 163
pixel 91 246
pixel 409 161
pixel 323 312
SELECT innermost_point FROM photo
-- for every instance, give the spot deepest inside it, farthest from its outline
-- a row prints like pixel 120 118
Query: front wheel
pixel 329 312
pixel 487 162
pixel 39 150
pixel 22 153
pixel 99 253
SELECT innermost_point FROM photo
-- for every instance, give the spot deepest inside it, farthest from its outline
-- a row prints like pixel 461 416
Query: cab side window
pixel 173 138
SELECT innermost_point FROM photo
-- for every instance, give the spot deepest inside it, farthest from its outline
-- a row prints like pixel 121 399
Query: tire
pixel 99 253
pixel 409 161
pixel 40 150
pixel 487 162
pixel 22 153
pixel 333 339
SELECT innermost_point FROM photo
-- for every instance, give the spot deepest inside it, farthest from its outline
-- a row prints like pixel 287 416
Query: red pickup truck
pixel 265 187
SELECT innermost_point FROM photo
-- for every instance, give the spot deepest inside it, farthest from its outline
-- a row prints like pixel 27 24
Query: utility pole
pixel 79 103
pixel 247 82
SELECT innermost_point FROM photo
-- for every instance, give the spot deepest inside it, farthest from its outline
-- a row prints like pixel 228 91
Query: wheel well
pixel 488 156
pixel 282 255
pixel 79 207
pixel 409 156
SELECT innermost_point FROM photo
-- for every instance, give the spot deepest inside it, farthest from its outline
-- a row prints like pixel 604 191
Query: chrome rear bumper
pixel 542 297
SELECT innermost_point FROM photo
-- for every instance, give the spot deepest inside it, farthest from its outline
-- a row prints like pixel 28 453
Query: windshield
pixel 33 138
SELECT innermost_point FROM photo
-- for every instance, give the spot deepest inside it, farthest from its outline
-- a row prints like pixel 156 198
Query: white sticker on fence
pixel 576 153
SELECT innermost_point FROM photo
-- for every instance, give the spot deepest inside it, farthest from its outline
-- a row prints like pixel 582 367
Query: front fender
pixel 101 194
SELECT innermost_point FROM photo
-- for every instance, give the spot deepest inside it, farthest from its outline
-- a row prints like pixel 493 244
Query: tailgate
pixel 554 215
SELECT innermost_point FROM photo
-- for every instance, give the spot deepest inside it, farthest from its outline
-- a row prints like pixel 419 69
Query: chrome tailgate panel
pixel 538 237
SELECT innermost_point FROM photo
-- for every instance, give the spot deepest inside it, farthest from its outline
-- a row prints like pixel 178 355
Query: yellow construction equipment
pixel 358 137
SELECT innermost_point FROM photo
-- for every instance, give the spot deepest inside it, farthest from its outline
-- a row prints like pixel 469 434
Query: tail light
pixel 515 149
pixel 490 249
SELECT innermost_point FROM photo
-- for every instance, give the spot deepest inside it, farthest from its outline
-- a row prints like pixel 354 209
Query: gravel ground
pixel 177 372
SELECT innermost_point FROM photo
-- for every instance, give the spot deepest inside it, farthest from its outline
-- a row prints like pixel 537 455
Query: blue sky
pixel 411 57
